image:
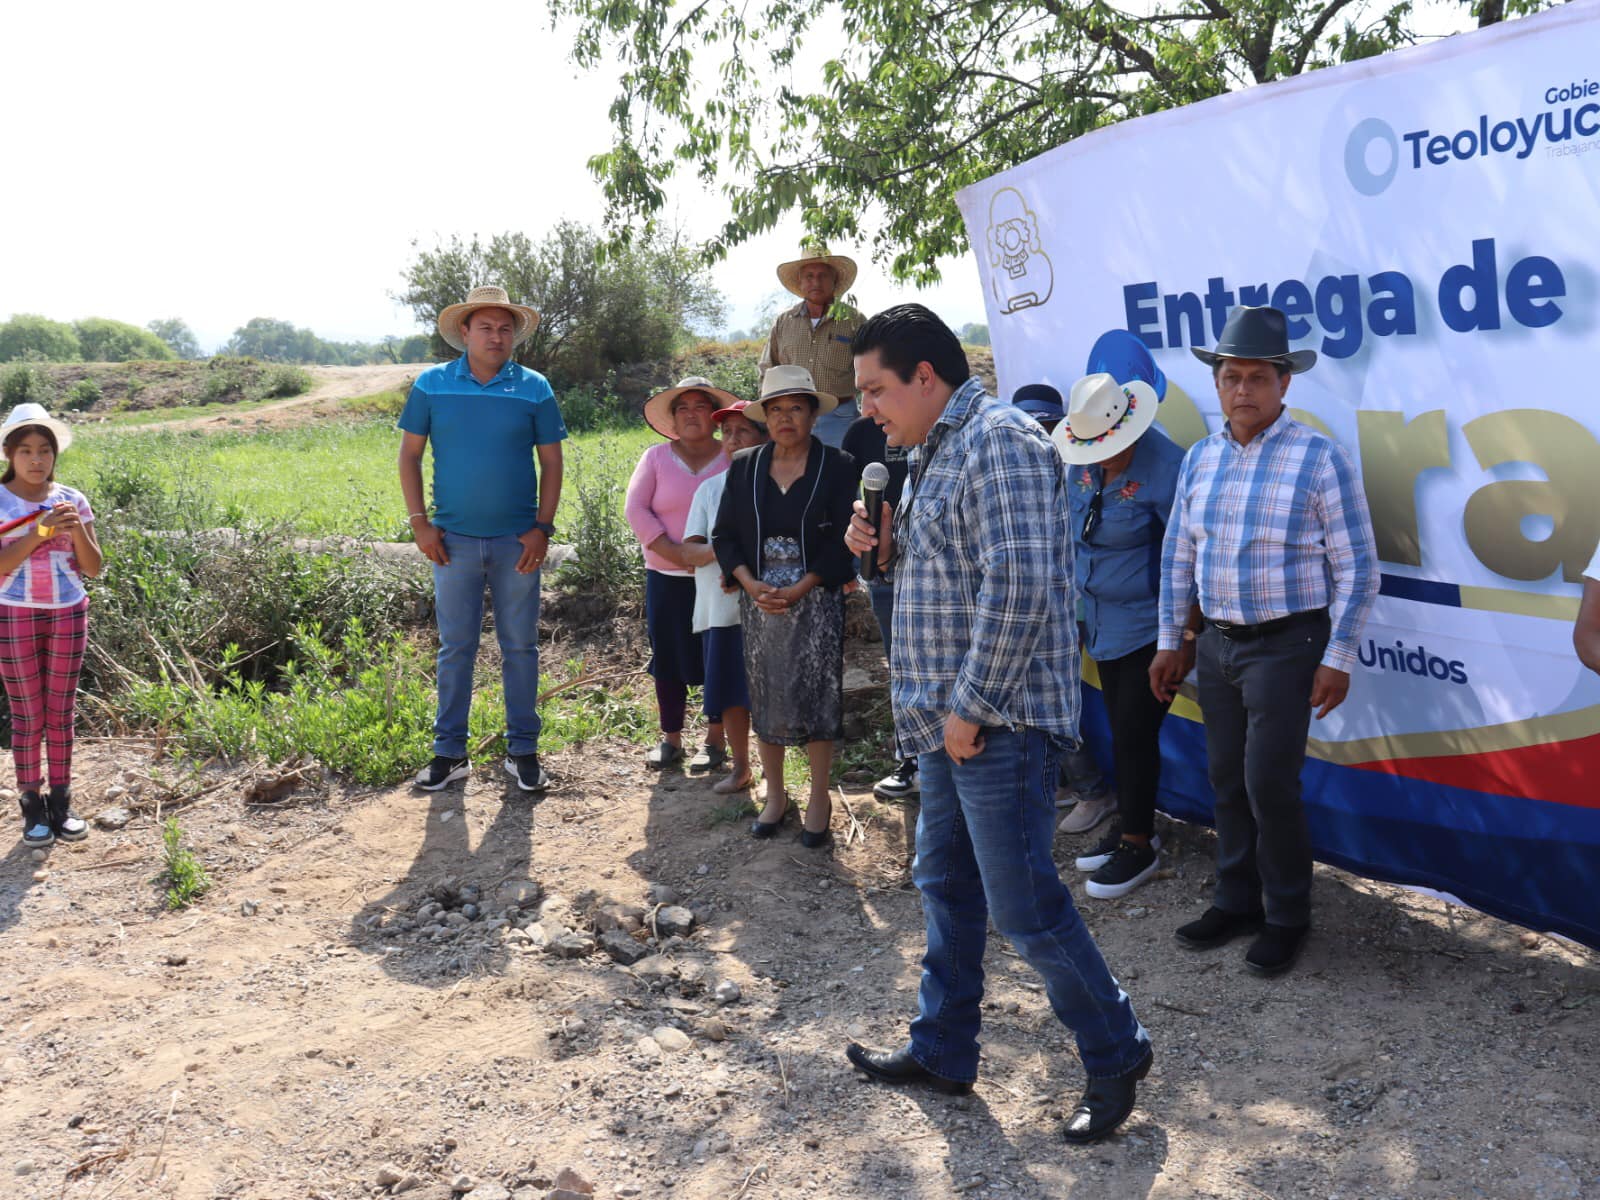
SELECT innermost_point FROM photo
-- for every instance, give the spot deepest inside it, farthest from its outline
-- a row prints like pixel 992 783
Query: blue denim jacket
pixel 983 614
pixel 1119 566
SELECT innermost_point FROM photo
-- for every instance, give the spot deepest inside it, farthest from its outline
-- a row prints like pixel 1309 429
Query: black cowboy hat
pixel 1261 333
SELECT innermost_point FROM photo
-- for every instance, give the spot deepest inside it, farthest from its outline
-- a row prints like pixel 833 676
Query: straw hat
pixel 844 269
pixel 788 381
pixel 1104 418
pixel 35 414
pixel 451 318
pixel 658 409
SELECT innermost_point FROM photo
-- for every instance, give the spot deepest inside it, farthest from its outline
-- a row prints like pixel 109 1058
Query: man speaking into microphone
pixel 984 684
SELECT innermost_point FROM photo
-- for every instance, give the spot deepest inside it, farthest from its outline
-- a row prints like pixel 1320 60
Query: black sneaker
pixel 1130 865
pixel 442 772
pixel 36 831
pixel 64 823
pixel 525 769
pixel 1098 857
pixel 898 783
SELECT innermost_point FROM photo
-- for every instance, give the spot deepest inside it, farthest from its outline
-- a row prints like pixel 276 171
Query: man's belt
pixel 1236 632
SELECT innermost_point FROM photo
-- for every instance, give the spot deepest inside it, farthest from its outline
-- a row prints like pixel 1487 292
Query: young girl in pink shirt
pixel 47 550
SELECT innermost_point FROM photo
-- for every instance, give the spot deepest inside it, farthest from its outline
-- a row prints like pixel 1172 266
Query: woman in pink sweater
pixel 659 495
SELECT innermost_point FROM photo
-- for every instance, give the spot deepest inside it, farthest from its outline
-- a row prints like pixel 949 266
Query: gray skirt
pixel 794 660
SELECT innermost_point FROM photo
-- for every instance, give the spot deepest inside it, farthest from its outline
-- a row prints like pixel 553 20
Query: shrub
pixel 24 382
pixel 607 565
pixel 102 340
pixel 82 396
pixel 181 871
pixel 586 409
pixel 386 405
pixel 282 381
pixel 30 334
pixel 227 379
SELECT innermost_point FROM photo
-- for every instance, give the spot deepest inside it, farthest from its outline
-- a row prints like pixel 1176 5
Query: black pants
pixel 1257 700
pixel 1136 717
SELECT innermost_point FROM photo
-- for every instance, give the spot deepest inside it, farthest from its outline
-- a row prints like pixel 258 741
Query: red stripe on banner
pixel 1553 771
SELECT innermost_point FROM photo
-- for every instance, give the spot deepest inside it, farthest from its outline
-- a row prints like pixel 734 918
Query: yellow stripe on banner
pixel 1485 739
pixel 1520 604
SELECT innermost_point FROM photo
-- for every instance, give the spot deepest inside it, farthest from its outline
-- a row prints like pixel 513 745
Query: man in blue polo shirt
pixel 488 418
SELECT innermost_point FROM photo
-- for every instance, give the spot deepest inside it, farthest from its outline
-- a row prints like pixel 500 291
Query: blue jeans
pixel 881 593
pixel 458 605
pixel 983 848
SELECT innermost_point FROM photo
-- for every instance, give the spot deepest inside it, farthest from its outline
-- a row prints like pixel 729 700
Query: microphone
pixel 874 482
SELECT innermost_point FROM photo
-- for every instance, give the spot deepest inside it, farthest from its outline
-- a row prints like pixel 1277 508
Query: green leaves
pixel 917 98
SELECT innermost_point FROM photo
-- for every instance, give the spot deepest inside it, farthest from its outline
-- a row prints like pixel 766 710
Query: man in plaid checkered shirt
pixel 984 683
pixel 1270 536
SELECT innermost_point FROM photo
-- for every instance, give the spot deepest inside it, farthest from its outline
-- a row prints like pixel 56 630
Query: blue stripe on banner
pixel 1526 861
pixel 1424 591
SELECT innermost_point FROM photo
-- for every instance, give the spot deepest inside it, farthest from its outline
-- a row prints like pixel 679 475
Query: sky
pixel 218 162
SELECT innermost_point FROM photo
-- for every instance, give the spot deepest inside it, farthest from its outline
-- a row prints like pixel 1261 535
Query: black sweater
pixel 815 511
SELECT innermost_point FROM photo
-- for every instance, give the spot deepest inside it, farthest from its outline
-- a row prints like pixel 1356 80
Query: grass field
pixel 335 477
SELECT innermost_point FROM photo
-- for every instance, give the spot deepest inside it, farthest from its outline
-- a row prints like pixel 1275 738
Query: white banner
pixel 1430 221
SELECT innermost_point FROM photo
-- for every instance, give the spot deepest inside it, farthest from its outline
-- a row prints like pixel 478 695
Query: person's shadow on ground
pixel 463 888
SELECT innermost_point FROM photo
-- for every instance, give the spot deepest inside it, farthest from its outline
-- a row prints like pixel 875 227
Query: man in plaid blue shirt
pixel 1270 536
pixel 984 681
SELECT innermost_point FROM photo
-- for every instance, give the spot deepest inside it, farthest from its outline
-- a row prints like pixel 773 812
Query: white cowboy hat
pixel 451 319
pixel 1104 418
pixel 788 381
pixel 844 271
pixel 658 409
pixel 35 414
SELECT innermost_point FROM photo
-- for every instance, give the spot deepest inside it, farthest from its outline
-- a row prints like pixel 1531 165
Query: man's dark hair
pixel 908 334
pixel 1283 367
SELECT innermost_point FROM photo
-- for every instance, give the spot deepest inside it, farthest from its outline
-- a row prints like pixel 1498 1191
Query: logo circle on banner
pixel 1365 180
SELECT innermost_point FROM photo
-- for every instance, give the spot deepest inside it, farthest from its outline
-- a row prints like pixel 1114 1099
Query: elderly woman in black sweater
pixel 779 537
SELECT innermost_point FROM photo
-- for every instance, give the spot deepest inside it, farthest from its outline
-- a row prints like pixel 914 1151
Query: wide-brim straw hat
pixel 1104 418
pixel 451 319
pixel 844 271
pixel 35 414
pixel 658 409
pixel 788 381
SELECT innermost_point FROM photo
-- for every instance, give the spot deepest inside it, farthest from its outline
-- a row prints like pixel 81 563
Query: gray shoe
pixel 1088 812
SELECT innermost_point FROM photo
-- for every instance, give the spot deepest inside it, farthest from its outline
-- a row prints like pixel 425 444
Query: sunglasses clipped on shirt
pixel 1091 519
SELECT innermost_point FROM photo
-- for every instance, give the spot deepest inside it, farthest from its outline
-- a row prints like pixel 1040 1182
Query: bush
pixel 386 405
pixel 29 334
pixel 606 565
pixel 24 382
pixel 360 706
pixel 82 396
pixel 586 409
pixel 227 379
pixel 181 871
pixel 102 340
pixel 282 381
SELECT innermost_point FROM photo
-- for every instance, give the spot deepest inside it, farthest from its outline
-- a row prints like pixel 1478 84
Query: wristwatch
pixel 1188 635
pixel 545 528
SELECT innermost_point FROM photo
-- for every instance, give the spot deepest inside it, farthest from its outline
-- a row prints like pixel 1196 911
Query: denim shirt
pixel 983 604
pixel 1119 565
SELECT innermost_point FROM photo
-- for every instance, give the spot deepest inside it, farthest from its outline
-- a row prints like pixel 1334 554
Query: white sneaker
pixel 1088 812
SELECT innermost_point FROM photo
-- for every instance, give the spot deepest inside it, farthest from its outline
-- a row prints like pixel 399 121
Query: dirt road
pixel 331 384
